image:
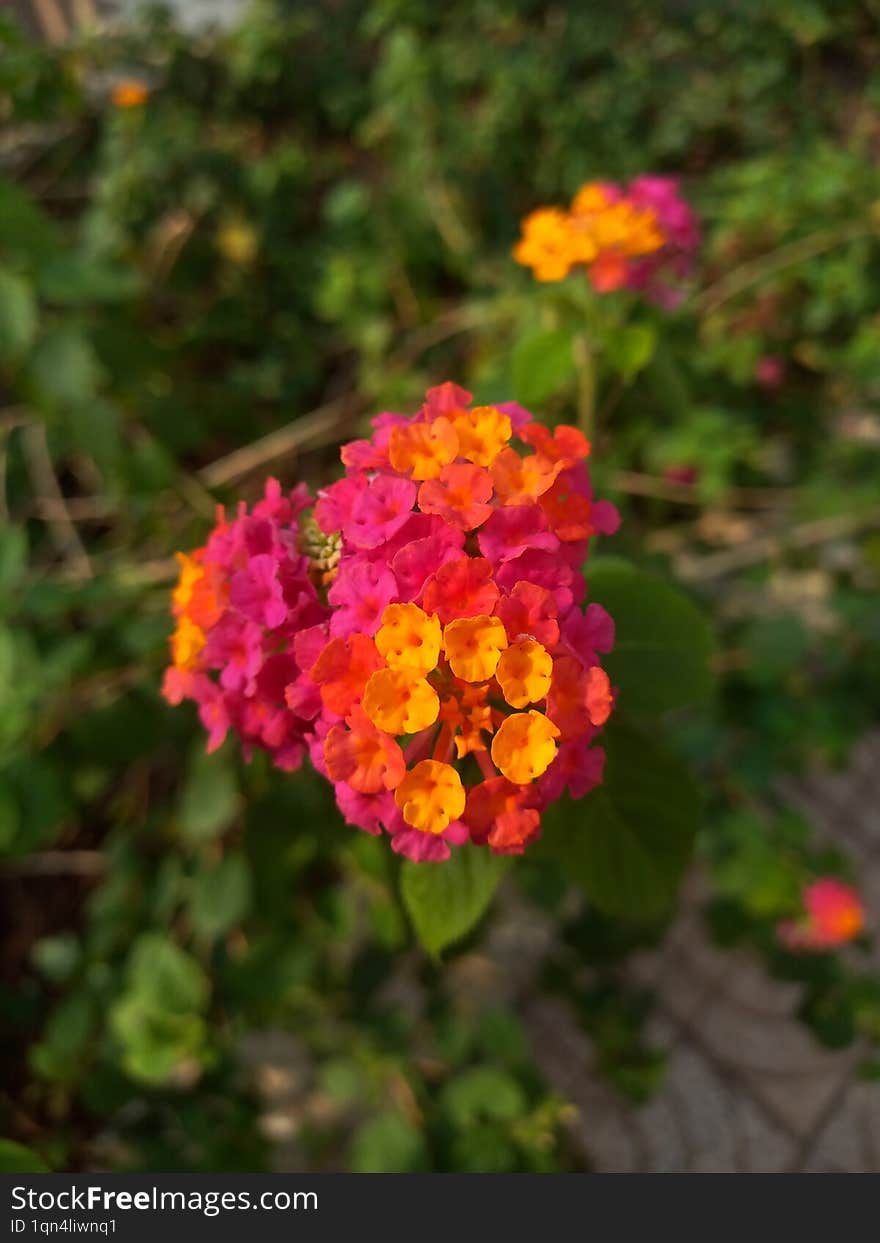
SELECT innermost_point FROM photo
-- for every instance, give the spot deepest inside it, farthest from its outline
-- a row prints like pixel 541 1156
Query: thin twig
pixel 754 271
pixel 288 439
pixel 51 20
pixel 685 494
pixel 57 863
pixel 764 547
pixel 62 530
pixel 78 509
pixel 326 423
pixel 85 13
pixel 13 416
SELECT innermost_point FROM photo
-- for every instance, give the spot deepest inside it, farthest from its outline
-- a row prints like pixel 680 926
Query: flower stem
pixel 586 373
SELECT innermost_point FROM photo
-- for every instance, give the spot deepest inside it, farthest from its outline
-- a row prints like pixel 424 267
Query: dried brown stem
pixel 757 270
pixel 684 494
pixel 310 429
pixel 765 547
pixel 58 863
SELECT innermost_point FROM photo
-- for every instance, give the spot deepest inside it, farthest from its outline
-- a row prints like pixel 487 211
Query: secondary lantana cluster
pixel 833 914
pixel 641 236
pixel 452 687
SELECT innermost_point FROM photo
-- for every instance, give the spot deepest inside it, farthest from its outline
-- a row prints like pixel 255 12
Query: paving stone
pixel 774 1056
pixel 850 1140
pixel 700 1121
pixel 869 884
pixel 687 968
pixel 678 990
pixel 843 805
pixel 751 986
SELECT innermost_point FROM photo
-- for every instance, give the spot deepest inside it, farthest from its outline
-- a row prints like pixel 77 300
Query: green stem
pixel 586 372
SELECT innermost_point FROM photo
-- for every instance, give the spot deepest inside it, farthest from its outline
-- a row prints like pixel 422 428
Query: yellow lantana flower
pixel 524 746
pixel 524 672
pixel 474 645
pixel 430 796
pixel 400 703
pixel 409 638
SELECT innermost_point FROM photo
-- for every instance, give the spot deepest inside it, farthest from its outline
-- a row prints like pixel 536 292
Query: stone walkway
pixel 748 1089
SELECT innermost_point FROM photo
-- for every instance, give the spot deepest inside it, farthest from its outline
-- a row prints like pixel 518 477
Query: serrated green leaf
pixel 445 900
pixel 541 365
pixel 628 843
pixel 663 643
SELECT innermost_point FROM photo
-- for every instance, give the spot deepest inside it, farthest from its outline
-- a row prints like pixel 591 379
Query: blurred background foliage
pixel 303 220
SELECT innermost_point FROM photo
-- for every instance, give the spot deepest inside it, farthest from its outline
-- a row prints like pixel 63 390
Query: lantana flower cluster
pixel 451 686
pixel 642 236
pixel 833 914
pixel 238 605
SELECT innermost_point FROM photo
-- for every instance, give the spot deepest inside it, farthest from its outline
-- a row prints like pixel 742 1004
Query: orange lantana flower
pixel 421 450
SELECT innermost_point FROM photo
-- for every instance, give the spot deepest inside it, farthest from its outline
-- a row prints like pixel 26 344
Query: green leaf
pixel 663 643
pixel 776 646
pixel 210 800
pixel 631 348
pixel 155 1043
pixel 482 1093
pixel 18 314
pixel 387 1144
pixel 445 900
pixel 627 843
pixel 221 897
pixel 541 365
pixel 25 229
pixel 64 368
pixel 13 564
pixel 16 1159
pixel 159 1019
pixel 161 974
pixel 61 1054
pixel 56 957
pixel 73 278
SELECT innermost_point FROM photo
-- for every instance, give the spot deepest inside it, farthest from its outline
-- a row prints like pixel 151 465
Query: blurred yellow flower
pixel 238 242
pixel 130 93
